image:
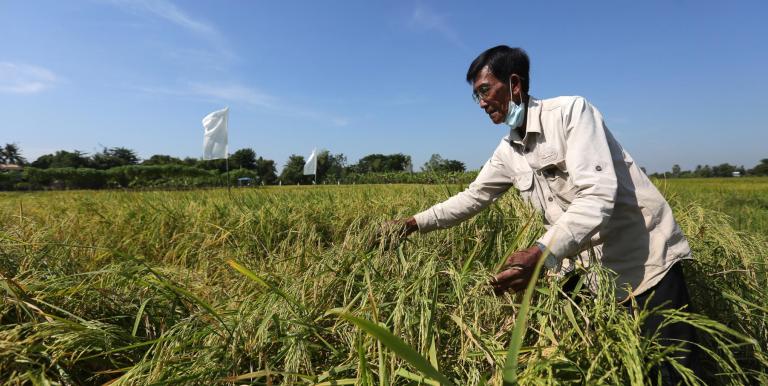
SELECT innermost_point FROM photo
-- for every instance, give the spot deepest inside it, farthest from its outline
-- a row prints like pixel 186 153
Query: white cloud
pixel 214 59
pixel 233 93
pixel 170 12
pixel 405 100
pixel 319 116
pixel 340 121
pixel 425 18
pixel 244 95
pixel 17 78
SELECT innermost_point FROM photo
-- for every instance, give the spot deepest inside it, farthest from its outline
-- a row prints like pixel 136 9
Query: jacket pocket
pixel 556 176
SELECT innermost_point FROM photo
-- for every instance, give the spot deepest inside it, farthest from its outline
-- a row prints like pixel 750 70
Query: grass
pixel 286 286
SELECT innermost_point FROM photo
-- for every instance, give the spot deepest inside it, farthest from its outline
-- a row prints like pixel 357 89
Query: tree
pixel 702 171
pixel 330 166
pixel 212 164
pixel 437 163
pixel 62 159
pixel 370 163
pixel 11 154
pixel 114 157
pixel 266 170
pixel 125 155
pixel 452 165
pixel 397 162
pixel 433 164
pixel 760 169
pixel 43 162
pixel 161 159
pixel 723 170
pixel 293 171
pixel 381 163
pixel 243 159
pixel 675 170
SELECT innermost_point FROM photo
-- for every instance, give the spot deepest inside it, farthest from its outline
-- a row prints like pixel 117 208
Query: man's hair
pixel 502 61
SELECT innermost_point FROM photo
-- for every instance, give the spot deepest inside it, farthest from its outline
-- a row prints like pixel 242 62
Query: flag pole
pixel 227 167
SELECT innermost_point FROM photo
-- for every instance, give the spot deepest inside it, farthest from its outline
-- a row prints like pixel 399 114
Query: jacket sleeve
pixel 590 166
pixel 493 180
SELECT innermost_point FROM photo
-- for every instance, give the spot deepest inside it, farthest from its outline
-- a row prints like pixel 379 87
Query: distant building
pixel 736 174
pixel 11 167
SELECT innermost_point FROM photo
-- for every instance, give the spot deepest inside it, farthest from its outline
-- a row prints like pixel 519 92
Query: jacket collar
pixel 532 122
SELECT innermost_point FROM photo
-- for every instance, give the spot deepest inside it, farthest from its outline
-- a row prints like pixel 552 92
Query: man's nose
pixel 482 103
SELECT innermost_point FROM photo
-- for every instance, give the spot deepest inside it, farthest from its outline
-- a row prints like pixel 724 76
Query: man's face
pixel 492 95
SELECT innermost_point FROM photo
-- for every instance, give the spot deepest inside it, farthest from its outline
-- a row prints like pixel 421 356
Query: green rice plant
pixel 398 347
pixel 521 323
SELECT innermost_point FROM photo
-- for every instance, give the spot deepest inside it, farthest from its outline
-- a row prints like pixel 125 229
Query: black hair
pixel 502 61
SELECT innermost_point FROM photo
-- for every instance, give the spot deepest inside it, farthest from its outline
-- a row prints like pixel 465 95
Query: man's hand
pixel 517 271
pixel 396 230
pixel 407 226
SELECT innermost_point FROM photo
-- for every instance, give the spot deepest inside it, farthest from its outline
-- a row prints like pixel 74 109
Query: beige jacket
pixel 589 190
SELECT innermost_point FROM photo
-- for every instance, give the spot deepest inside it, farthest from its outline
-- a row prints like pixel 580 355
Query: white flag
pixel 215 138
pixel 310 167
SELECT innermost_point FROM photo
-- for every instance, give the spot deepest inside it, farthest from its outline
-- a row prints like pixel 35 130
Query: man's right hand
pixel 396 230
pixel 409 226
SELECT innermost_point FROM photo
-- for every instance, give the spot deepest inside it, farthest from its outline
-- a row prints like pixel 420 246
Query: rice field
pixel 744 200
pixel 288 285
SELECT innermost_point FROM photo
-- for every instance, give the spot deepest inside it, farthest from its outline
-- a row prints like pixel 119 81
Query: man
pixel 593 196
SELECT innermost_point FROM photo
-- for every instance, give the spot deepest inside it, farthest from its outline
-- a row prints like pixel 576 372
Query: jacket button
pixel 549 199
pixel 598 168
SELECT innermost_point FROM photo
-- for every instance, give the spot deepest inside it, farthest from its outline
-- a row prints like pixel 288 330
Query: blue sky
pixel 677 81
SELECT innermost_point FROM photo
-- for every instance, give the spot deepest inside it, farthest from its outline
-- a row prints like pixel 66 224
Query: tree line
pixel 722 170
pixel 120 167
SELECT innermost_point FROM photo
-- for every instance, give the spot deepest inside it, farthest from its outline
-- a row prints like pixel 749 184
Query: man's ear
pixel 517 85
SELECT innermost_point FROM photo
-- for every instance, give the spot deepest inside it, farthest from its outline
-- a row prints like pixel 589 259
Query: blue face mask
pixel 515 113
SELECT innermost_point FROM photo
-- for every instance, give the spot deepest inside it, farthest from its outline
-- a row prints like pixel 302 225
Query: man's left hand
pixel 517 271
